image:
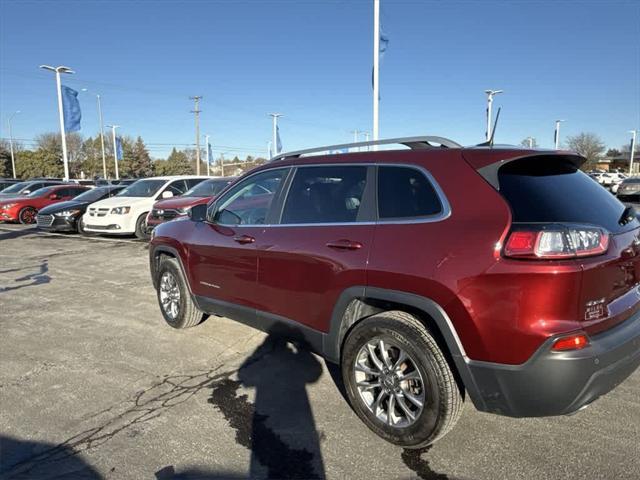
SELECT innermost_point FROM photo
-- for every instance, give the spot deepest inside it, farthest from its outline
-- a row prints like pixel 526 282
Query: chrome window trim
pixel 438 217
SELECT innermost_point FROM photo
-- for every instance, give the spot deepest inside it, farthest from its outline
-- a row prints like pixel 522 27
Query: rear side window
pixel 325 195
pixel 550 189
pixel 405 193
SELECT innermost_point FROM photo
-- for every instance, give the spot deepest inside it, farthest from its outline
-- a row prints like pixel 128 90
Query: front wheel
pixel 174 298
pixel 27 215
pixel 141 227
pixel 398 381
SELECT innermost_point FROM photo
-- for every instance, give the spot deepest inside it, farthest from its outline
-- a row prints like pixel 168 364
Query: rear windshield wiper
pixel 627 216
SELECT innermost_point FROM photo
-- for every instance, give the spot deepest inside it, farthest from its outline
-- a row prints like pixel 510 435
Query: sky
pixel 311 61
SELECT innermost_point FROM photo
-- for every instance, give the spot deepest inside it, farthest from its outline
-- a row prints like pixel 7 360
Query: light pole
pixel 376 70
pixel 58 71
pixel 104 158
pixel 13 160
pixel 490 95
pixel 556 135
pixel 115 147
pixel 633 148
pixel 275 116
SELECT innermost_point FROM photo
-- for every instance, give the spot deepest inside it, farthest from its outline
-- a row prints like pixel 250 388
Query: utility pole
pixel 63 137
pixel 633 148
pixel 222 164
pixel 13 160
pixel 490 95
pixel 556 135
pixel 356 134
pixel 275 116
pixel 197 111
pixel 206 146
pixel 366 139
pixel 115 147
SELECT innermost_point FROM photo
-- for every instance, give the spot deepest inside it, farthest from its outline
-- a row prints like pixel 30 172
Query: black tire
pixel 188 314
pixel 443 400
pixel 80 226
pixel 141 227
pixel 27 216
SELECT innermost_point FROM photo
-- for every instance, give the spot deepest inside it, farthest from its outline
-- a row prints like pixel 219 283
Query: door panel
pixel 222 267
pixel 301 277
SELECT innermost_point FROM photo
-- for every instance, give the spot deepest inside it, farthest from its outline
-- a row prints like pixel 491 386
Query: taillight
pixel 548 242
pixel 572 342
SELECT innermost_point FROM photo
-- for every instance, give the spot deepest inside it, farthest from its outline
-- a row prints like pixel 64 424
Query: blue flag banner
pixel 278 141
pixel 119 154
pixel 210 153
pixel 70 109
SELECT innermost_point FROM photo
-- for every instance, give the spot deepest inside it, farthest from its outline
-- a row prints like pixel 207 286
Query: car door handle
pixel 244 239
pixel 344 245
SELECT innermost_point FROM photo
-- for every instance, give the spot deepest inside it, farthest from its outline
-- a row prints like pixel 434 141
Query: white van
pixel 125 213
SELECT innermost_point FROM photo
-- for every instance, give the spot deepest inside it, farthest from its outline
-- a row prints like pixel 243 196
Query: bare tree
pixel 589 145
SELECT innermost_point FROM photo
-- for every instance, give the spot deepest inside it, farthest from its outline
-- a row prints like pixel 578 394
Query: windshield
pixel 15 188
pixel 208 188
pixel 41 192
pixel 92 195
pixel 142 188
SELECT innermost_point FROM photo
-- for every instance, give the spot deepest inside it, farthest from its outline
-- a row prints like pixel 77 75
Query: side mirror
pixel 53 196
pixel 26 192
pixel 198 213
pixel 167 194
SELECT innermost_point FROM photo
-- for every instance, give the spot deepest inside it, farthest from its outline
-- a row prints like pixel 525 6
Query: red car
pixel 24 209
pixel 431 275
pixel 202 193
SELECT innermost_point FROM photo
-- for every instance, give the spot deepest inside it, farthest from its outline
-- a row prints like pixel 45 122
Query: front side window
pixel 248 203
pixel 177 188
pixel 331 194
pixel 405 192
pixel 16 188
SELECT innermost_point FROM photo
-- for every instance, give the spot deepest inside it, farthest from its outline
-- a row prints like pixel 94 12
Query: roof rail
pixel 414 143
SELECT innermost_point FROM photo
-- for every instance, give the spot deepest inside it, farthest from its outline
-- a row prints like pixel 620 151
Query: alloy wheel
pixel 389 382
pixel 170 295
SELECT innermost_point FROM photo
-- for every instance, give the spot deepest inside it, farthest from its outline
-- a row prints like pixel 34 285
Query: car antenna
pixel 489 143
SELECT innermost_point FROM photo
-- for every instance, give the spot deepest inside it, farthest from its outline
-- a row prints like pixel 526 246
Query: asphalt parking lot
pixel 93 384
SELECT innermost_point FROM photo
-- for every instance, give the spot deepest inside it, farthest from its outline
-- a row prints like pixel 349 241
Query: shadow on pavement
pixel 11 234
pixel 16 461
pixel 39 277
pixel 278 428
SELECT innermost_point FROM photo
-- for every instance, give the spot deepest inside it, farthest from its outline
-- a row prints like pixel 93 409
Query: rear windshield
pixel 549 189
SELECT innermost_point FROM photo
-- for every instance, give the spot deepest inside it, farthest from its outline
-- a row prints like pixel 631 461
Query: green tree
pixel 176 164
pixel 613 152
pixel 5 160
pixel 589 145
pixel 39 163
pixel 136 162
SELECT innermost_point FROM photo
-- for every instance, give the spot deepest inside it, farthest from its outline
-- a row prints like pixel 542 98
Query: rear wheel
pixel 398 380
pixel 27 215
pixel 174 298
pixel 141 227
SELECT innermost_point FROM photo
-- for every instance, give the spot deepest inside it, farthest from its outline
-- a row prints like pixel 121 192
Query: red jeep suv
pixel 429 275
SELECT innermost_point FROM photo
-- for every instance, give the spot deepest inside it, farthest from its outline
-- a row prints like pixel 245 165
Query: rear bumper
pixel 559 383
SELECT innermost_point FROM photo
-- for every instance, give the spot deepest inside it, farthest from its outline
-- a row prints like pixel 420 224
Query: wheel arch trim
pixel 342 321
pixel 154 256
